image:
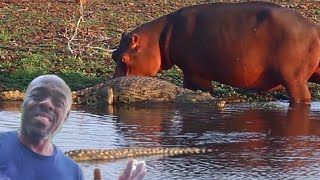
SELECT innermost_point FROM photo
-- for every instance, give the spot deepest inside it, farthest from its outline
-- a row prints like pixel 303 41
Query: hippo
pixel 253 45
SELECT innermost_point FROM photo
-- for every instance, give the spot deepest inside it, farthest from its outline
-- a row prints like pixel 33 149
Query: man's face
pixel 45 108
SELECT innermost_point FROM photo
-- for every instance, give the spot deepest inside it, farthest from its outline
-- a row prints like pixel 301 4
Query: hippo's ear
pixel 134 40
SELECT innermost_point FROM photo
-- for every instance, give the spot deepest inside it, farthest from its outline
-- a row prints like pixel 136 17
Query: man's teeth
pixel 42 118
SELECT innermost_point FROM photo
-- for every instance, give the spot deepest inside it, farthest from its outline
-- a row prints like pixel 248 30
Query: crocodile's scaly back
pixel 137 89
pixel 121 153
pixel 148 89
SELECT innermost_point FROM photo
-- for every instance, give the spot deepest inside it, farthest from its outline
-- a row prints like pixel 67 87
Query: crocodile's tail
pixel 121 153
pixel 11 95
pixel 86 96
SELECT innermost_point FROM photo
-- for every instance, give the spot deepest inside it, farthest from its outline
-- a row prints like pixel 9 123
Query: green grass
pixel 75 71
pixel 4 36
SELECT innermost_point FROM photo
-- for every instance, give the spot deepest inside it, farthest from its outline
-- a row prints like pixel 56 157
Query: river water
pixel 261 141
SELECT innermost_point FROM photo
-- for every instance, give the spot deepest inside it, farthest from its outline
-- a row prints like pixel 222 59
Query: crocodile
pixel 81 155
pixel 131 89
pixel 11 95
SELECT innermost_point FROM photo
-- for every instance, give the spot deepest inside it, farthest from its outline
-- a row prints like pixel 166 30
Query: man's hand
pixel 134 170
pixel 97 174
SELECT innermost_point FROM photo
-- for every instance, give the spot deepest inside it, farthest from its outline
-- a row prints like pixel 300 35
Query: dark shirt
pixel 18 162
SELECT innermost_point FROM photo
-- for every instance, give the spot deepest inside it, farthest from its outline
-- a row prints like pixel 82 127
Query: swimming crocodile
pixel 131 89
pixel 121 153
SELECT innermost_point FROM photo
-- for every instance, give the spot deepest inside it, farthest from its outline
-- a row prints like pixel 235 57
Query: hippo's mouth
pixel 121 70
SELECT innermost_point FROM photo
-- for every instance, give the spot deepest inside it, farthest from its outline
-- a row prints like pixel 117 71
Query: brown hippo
pixel 254 45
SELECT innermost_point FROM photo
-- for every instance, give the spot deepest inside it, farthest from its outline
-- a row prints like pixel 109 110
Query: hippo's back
pixel 249 45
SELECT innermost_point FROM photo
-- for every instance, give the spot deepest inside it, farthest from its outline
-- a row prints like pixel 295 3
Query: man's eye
pixel 60 102
pixel 36 96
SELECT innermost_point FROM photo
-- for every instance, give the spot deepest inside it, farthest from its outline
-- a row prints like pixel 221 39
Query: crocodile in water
pixel 121 153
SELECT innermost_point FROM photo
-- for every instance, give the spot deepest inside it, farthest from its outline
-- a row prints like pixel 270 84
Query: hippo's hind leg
pixel 298 92
pixel 315 78
pixel 197 83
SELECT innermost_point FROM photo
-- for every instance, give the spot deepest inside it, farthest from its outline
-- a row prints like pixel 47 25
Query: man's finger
pixel 127 171
pixel 141 175
pixel 140 167
pixel 97 174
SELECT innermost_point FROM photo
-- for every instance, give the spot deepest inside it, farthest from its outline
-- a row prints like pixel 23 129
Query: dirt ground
pixel 46 25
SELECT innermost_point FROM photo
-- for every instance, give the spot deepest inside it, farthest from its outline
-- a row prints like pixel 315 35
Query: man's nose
pixel 47 104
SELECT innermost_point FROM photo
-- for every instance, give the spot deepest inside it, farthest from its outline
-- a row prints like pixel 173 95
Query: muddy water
pixel 269 142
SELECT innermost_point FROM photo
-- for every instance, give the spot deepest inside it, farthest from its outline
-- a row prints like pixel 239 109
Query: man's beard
pixel 34 132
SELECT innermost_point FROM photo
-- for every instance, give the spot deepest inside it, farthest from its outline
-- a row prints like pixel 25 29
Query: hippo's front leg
pixel 197 83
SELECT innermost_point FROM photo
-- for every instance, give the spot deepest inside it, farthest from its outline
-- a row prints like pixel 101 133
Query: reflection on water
pixel 249 142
